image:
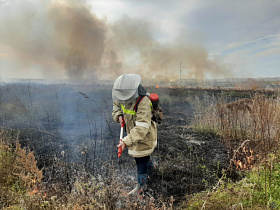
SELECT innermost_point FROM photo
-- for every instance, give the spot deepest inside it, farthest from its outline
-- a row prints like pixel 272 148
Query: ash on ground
pixel 186 161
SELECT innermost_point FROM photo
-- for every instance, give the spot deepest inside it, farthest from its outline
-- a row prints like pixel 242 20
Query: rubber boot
pixel 141 185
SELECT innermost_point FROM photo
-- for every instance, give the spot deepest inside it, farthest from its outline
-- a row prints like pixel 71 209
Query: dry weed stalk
pixel 19 173
pixel 257 119
pixel 214 188
pixel 25 167
pixel 206 116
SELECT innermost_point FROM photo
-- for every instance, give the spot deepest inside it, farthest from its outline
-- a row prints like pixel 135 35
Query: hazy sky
pixel 242 34
pixel 218 38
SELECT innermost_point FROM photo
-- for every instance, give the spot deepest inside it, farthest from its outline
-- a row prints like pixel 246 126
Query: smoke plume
pixel 133 39
pixel 53 36
pixel 66 37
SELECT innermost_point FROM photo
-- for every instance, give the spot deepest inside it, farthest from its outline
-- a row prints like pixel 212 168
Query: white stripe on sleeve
pixel 142 124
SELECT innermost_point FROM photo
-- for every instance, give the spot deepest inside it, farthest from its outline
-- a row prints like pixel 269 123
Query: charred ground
pixel 70 129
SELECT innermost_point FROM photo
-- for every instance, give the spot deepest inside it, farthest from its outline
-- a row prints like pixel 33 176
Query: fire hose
pixel 121 137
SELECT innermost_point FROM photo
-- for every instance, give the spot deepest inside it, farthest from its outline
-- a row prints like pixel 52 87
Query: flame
pixel 246 159
pixel 34 191
pixel 238 164
pixel 157 86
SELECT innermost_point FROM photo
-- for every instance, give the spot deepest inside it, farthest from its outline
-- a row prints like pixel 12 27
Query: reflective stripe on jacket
pixel 141 136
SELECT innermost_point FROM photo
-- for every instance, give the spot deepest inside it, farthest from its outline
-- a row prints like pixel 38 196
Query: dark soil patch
pixel 72 132
pixel 187 161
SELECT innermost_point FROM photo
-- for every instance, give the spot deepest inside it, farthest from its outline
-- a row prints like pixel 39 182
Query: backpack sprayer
pixel 154 99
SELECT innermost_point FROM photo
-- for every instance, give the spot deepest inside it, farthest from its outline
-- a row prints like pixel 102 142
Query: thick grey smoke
pixel 57 36
pixel 53 36
pixel 134 38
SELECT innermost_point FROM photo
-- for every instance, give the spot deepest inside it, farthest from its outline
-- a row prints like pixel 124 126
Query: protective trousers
pixel 143 167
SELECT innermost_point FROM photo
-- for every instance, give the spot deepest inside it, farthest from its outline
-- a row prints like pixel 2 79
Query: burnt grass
pixel 188 161
pixel 71 131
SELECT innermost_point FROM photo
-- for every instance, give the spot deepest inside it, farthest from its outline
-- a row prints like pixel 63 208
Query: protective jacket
pixel 141 136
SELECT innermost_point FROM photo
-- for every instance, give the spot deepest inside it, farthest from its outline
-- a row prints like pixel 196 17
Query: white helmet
pixel 126 87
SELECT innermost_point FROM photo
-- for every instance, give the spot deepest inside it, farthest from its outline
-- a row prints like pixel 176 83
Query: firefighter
pixel 141 138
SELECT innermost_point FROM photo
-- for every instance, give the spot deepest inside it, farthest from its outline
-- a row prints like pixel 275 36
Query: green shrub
pixel 258 190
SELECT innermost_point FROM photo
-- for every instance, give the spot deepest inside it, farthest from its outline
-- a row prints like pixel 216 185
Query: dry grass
pixel 256 119
pixel 22 186
pixel 19 173
pixel 206 114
